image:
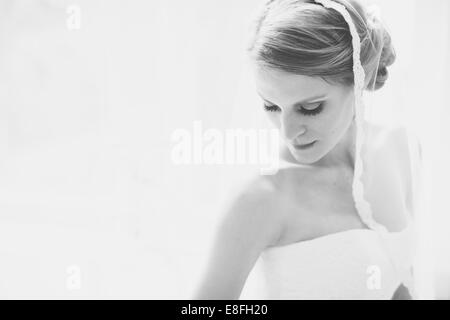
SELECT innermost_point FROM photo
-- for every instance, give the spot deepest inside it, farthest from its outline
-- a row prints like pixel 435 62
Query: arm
pixel 246 229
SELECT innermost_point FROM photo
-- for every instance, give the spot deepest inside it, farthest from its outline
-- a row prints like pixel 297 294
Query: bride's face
pixel 312 115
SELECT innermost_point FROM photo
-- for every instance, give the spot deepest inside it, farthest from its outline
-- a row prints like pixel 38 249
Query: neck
pixel 343 154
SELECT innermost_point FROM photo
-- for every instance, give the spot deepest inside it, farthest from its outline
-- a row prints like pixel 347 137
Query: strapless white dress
pixel 352 264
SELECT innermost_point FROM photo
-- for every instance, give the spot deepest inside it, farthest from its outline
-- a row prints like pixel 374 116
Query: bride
pixel 336 221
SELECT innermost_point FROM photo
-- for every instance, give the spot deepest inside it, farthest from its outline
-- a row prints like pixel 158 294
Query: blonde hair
pixel 303 37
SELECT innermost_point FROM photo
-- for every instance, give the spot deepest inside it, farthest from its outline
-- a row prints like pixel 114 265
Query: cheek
pixel 334 123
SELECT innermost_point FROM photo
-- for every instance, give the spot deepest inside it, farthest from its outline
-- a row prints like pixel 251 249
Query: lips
pixel 305 146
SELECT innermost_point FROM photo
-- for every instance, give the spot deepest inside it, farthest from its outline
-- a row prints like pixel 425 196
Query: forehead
pixel 277 84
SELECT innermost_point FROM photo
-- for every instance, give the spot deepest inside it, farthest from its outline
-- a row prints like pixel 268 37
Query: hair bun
pixel 388 56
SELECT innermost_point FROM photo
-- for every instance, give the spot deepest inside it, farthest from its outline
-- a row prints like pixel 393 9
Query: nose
pixel 292 126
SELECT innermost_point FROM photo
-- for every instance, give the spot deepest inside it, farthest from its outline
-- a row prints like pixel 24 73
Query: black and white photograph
pixel 224 150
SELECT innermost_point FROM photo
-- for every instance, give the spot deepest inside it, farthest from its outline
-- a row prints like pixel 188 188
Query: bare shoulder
pixel 386 134
pixel 252 211
pixel 390 139
pixel 248 225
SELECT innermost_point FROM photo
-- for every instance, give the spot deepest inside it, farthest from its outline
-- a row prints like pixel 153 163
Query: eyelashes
pixel 306 112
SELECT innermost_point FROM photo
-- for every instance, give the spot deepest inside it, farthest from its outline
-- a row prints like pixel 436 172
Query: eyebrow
pixel 310 99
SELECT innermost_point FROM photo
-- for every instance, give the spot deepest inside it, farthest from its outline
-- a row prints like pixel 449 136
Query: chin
pixel 302 158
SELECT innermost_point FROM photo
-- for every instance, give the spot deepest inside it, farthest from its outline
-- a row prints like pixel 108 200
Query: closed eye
pixel 271 108
pixel 307 112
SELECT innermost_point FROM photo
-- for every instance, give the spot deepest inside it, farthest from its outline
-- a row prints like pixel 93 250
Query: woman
pixel 335 222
